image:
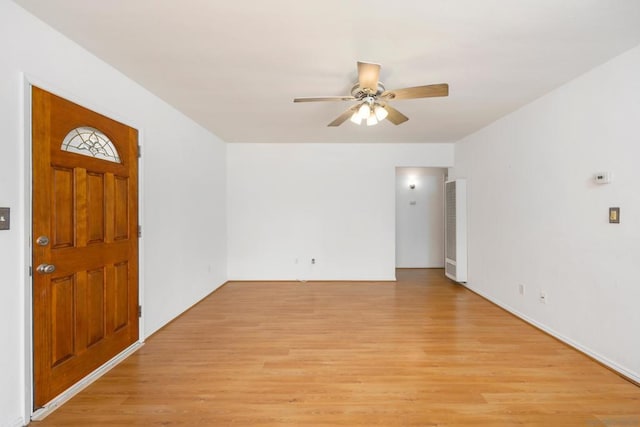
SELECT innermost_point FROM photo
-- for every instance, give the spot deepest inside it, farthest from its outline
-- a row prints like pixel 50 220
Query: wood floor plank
pixel 421 351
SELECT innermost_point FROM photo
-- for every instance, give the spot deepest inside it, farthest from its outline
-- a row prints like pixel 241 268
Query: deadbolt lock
pixel 42 241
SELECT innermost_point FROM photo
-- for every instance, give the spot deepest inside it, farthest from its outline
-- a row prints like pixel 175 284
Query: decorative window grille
pixel 90 142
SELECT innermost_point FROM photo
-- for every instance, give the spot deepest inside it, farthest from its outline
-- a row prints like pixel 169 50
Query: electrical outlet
pixel 543 297
pixel 521 289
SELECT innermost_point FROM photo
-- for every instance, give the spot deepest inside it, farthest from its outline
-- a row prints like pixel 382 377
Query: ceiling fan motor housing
pixel 362 93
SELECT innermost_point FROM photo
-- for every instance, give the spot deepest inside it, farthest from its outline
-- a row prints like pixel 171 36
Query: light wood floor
pixel 419 352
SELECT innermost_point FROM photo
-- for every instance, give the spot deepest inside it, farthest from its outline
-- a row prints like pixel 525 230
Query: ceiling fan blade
pixel 368 75
pixel 427 91
pixel 343 117
pixel 395 116
pixel 325 98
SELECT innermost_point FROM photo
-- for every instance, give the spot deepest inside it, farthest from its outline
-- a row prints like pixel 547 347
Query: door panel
pixel 62 211
pixel 85 311
pixel 121 295
pixel 121 201
pixel 95 302
pixel 95 208
pixel 63 308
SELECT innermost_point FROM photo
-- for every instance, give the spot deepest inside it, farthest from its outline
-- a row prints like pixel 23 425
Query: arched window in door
pixel 90 142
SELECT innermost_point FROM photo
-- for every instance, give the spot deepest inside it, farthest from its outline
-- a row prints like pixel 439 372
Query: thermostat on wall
pixel 603 177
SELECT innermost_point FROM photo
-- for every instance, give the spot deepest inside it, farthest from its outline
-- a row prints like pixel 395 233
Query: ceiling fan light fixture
pixel 380 112
pixel 372 99
pixel 364 111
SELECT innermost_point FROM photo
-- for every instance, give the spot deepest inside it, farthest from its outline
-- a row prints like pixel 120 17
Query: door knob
pixel 46 268
pixel 42 241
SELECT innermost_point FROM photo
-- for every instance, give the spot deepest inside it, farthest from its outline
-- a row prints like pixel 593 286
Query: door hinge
pixel 139 151
pixel 139 231
pixel 30 271
pixel 139 311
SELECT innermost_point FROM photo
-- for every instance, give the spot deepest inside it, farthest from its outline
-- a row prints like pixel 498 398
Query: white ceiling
pixel 235 66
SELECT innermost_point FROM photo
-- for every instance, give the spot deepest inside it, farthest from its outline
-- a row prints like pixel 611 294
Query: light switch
pixel 614 215
pixel 4 218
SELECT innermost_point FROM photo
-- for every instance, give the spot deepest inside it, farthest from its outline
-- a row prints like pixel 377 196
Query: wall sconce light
pixel 412 186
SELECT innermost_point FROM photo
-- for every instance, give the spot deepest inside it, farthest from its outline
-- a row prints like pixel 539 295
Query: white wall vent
pixel 455 218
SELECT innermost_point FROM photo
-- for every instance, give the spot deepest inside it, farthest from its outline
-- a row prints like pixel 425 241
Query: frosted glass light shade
pixel 371 120
pixel 381 112
pixel 364 111
pixel 355 118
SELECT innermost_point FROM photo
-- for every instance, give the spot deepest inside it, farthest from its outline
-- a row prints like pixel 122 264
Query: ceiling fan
pixel 372 98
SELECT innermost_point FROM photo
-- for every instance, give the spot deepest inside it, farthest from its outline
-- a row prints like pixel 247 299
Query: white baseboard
pixel 605 361
pixel 55 403
pixel 312 279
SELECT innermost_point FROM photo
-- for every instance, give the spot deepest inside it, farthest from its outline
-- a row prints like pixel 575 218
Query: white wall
pixel 537 218
pixel 420 217
pixel 331 202
pixel 183 176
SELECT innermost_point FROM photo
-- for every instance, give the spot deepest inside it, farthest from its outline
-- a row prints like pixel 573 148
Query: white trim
pixel 609 363
pixel 28 81
pixel 141 332
pixel 55 403
pixel 26 244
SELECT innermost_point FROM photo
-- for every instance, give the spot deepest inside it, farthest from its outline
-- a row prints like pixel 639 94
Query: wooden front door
pixel 85 242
